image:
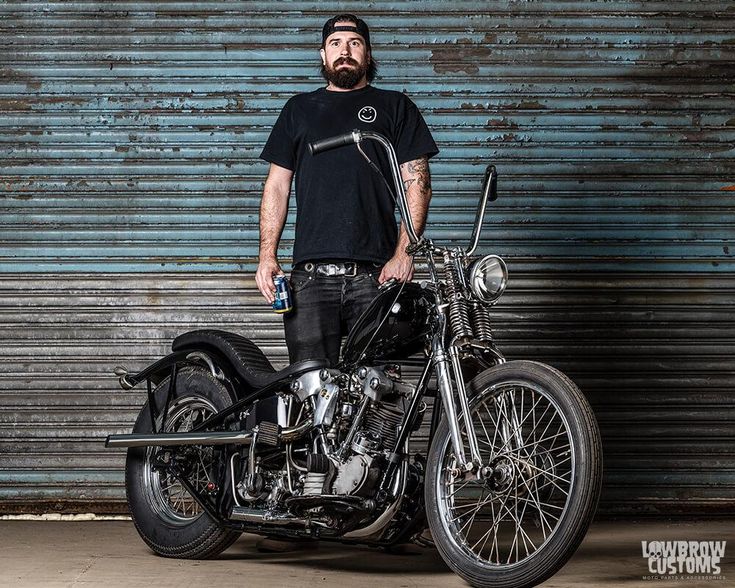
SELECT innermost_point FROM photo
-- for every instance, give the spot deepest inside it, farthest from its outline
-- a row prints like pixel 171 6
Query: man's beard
pixel 346 77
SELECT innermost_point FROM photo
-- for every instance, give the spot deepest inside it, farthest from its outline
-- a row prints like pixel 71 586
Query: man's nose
pixel 345 50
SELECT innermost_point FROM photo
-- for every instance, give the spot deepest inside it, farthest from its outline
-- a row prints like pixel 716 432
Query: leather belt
pixel 347 268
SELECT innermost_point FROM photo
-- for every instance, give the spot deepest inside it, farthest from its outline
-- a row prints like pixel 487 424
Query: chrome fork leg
pixel 465 405
pixel 445 388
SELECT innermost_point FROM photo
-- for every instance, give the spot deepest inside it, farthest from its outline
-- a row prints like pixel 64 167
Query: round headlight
pixel 488 277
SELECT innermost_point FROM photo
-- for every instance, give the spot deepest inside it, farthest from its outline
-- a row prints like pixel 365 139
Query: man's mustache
pixel 347 60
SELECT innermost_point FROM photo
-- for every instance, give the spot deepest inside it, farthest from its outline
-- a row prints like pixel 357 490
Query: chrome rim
pixel 164 492
pixel 509 515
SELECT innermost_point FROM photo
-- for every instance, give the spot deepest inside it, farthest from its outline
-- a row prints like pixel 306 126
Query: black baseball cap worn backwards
pixel 339 23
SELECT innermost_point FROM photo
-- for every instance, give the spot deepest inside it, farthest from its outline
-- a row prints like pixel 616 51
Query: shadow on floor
pixel 326 555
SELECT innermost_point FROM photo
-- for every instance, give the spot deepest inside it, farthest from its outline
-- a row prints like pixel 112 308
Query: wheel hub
pixel 164 491
pixel 499 475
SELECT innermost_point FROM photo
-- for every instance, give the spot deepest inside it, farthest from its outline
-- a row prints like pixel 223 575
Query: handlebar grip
pixel 332 142
pixel 387 284
pixel 490 183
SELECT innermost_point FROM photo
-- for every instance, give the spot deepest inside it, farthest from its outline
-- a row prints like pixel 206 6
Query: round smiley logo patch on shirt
pixel 367 114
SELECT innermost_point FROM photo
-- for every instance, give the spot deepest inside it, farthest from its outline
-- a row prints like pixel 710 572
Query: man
pixel 346 240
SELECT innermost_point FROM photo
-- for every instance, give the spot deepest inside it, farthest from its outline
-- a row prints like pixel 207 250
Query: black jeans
pixel 325 308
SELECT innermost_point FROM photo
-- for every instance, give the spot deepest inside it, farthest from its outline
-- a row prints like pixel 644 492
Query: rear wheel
pixel 166 516
pixel 520 524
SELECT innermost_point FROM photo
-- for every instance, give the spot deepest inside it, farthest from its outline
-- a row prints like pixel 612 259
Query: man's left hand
pixel 400 267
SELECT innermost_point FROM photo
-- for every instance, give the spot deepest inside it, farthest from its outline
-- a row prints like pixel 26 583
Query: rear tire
pixel 170 522
pixel 520 526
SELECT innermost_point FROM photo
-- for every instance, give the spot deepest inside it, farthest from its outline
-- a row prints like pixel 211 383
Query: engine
pixel 360 417
pixel 356 419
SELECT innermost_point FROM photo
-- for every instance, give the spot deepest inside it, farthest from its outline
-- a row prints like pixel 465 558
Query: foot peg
pixel 269 433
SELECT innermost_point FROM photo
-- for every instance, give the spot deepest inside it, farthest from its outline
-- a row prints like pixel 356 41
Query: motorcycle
pixel 226 444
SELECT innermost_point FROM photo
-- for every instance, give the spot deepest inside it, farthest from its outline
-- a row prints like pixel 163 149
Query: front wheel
pixel 524 519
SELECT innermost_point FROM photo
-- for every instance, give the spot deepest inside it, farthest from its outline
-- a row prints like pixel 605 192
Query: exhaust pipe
pixel 212 438
pixel 173 439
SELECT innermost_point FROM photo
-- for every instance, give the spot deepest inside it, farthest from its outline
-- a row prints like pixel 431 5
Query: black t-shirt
pixel 343 208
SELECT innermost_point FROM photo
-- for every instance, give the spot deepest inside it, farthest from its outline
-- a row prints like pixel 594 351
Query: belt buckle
pixel 348 269
pixel 328 269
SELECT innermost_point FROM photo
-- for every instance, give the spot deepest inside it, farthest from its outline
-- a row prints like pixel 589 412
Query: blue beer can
pixel 283 302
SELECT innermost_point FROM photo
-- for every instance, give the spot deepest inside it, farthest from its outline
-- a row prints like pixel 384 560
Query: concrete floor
pixel 110 554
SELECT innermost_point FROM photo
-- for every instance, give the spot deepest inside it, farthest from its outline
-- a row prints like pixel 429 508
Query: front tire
pixel 167 518
pixel 521 525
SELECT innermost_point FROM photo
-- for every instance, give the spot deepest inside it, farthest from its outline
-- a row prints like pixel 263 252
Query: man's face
pixel 345 58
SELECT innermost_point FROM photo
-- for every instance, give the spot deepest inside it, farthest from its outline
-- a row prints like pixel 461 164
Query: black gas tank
pixel 401 316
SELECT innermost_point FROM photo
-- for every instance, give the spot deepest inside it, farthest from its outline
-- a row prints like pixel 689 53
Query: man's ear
pixel 324 56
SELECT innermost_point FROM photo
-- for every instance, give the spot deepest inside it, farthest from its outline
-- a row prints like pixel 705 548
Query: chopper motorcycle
pixel 226 444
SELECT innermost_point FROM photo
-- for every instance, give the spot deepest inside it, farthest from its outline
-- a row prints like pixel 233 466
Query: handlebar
pixel 489 191
pixel 489 194
pixel 357 137
pixel 333 142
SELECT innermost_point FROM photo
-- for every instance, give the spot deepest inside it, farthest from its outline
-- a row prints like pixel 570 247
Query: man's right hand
pixel 267 268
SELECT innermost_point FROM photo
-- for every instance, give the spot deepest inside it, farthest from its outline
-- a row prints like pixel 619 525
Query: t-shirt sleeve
pixel 414 139
pixel 279 148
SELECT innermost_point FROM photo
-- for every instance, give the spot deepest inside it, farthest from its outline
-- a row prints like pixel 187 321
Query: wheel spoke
pixel 477 506
pixel 538 504
pixel 541 472
pixel 535 443
pixel 460 488
pixel 523 532
pixel 482 424
pixel 542 516
pixel 509 517
pixel 471 520
pixel 495 527
pixel 512 433
pixel 166 493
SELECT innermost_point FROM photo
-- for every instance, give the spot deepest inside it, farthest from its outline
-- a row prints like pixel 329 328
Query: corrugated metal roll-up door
pixel 130 185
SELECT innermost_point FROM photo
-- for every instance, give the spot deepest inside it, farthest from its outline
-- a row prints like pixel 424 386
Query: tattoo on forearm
pixel 418 166
pixel 417 183
pixel 418 170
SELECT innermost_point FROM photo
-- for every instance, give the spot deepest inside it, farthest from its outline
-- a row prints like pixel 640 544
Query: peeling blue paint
pixel 130 190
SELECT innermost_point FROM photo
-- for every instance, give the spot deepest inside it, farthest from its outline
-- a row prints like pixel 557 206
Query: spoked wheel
pixel 522 518
pixel 166 516
pixel 165 492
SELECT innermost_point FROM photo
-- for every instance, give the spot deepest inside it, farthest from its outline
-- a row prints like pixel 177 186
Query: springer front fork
pixel 447 364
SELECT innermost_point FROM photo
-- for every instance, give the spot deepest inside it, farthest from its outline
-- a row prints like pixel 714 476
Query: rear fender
pixel 219 367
